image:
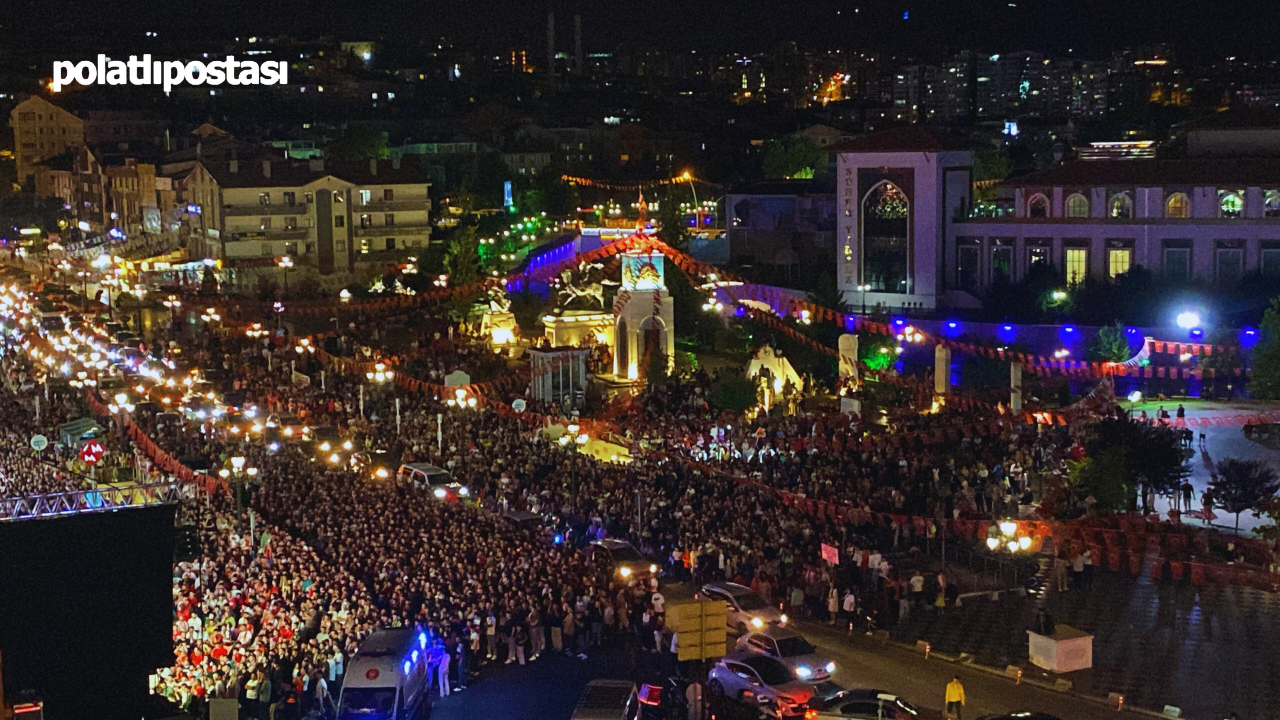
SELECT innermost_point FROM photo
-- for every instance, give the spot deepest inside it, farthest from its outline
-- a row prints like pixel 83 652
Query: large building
pixel 327 216
pixel 1205 219
pixel 42 130
pixel 909 235
pixel 897 194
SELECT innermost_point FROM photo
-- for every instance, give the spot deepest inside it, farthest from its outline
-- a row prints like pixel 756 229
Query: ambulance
pixel 388 678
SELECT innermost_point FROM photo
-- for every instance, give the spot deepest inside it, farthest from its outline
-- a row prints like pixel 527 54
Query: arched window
pixel 1121 206
pixel 1272 204
pixel 1231 205
pixel 886 217
pixel 1178 206
pixel 1038 207
pixel 1078 206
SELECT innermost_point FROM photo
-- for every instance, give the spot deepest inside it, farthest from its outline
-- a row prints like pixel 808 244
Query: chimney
pixel 551 44
pixel 315 165
pixel 266 169
pixel 373 167
pixel 233 166
pixel 199 149
pixel 577 43
pixel 395 162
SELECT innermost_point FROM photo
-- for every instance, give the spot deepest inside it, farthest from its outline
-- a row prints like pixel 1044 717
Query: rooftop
pixel 912 138
pixel 291 173
pixel 1155 173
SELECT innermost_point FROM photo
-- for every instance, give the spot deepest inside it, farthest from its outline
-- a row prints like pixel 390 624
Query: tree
pixel 1243 485
pixel 1265 383
pixel 1102 477
pixel 462 260
pixel 1111 345
pixel 791 157
pixel 826 294
pixel 989 164
pixel 359 142
pixel 1150 456
pixel 733 392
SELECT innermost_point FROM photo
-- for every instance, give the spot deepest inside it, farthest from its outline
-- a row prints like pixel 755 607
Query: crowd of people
pixel 273 616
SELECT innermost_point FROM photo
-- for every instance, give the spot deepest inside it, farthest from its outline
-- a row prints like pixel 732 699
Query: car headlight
pixel 783 619
pixel 757 622
pixel 439 492
pixel 830 667
pixel 381 472
pixel 653 568
pixel 464 491
pixel 624 572
pixel 324 446
pixel 803 671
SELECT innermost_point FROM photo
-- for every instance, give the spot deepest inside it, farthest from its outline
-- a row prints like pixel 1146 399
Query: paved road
pixel 549 688
pixel 869 663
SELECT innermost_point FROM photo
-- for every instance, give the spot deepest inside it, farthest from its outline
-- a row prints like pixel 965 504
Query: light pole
pixel 285 263
pixel 697 211
pixel 863 289
pixel 239 471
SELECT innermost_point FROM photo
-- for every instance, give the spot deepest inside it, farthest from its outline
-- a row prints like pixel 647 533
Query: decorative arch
pixel 1120 206
pixel 1177 206
pixel 886 238
pixel 1077 206
pixel 1038 206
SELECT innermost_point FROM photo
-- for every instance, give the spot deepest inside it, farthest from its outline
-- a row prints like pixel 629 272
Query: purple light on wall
pixel 1006 333
pixel 850 323
pixel 1069 334
pixel 951 328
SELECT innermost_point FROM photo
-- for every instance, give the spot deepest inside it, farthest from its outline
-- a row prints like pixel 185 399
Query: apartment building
pixel 332 216
pixel 42 130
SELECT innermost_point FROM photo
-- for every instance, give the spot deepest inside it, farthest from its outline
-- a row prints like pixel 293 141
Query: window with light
pixel 1178 206
pixel 1077 206
pixel 1121 206
pixel 1118 262
pixel 1077 265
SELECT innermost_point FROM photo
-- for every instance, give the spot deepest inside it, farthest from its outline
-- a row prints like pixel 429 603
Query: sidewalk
pixel 1208 651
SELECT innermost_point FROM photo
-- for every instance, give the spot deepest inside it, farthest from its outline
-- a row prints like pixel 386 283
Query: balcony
pixel 395 205
pixel 265 210
pixel 301 233
pixel 394 230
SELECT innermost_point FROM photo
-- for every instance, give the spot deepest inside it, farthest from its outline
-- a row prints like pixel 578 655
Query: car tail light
pixel 810 714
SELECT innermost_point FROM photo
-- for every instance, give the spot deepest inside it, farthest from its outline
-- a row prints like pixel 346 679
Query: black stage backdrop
pixel 86 610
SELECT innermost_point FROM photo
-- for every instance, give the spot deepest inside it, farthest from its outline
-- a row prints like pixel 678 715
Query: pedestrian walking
pixel 955 698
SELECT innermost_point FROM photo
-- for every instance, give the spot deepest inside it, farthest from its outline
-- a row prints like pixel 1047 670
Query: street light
pixel 1059 295
pixel 863 289
pixel 285 263
pixel 1188 320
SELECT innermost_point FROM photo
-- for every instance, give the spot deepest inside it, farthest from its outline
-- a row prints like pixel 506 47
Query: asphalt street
pixel 548 689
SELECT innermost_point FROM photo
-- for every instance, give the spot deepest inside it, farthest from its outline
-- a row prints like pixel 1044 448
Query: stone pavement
pixel 1210 652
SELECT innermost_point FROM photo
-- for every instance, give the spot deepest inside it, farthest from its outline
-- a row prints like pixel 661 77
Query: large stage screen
pixel 86 610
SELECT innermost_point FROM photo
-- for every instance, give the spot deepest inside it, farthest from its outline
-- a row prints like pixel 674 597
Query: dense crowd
pixel 272 616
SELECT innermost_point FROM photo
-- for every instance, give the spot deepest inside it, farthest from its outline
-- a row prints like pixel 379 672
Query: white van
pixel 388 678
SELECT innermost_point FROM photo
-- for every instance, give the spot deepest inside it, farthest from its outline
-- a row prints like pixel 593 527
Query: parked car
pixel 625 562
pixel 757 676
pixel 745 610
pixel 867 705
pixel 789 647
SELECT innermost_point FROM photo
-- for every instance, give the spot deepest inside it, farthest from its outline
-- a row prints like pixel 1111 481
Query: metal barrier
pixel 96 500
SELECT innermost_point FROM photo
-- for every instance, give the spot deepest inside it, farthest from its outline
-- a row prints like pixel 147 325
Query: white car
pixel 792 650
pixel 753 676
pixel 745 610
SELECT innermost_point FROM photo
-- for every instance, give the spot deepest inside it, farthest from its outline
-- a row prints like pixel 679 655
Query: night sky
pixel 1201 30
